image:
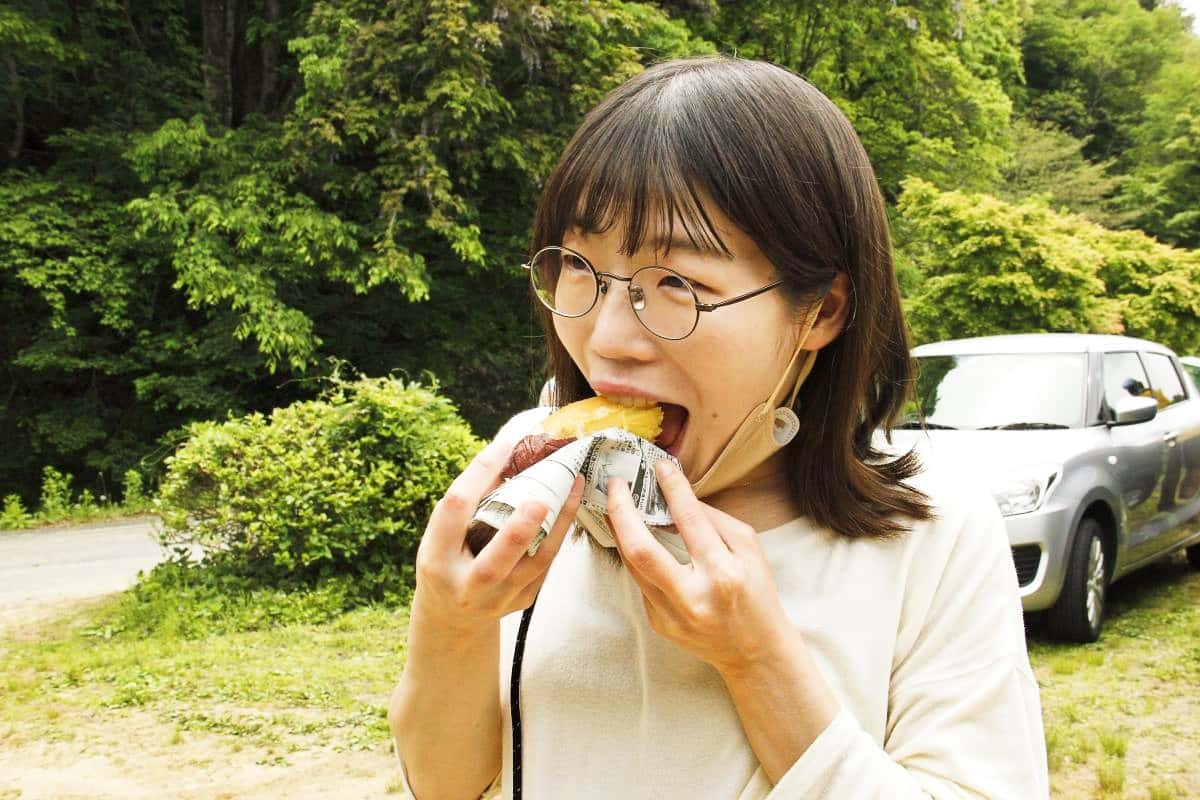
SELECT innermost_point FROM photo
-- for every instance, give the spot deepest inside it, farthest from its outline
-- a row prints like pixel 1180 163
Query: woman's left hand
pixel 723 607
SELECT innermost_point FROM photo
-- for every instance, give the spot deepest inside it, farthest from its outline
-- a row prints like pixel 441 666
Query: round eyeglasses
pixel 664 301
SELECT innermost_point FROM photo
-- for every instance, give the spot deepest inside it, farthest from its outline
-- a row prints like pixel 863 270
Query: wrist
pixel 770 654
pixel 449 631
pixel 782 660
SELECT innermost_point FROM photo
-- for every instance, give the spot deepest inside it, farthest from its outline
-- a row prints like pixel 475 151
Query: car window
pixel 999 390
pixel 1164 380
pixel 1193 370
pixel 1124 377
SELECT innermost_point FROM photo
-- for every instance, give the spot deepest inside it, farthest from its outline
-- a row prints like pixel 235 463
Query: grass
pixel 1114 743
pixel 1121 715
pixel 1110 775
pixel 274 675
pixel 1164 791
pixel 76 515
pixel 306 673
pixel 263 687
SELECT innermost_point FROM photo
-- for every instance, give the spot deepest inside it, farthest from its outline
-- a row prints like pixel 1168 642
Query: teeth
pixel 630 402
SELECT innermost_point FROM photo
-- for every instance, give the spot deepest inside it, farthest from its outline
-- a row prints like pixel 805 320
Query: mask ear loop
pixel 786 424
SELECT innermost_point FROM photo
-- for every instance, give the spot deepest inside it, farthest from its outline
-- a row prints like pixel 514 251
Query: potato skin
pixel 528 451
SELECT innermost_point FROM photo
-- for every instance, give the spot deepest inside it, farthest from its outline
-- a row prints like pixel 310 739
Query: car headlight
pixel 1026 490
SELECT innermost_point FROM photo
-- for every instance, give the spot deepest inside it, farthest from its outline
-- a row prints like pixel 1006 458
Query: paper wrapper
pixel 610 453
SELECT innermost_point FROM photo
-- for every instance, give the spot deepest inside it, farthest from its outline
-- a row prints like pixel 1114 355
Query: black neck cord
pixel 514 698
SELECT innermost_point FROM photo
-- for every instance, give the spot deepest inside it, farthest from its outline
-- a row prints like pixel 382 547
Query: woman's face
pixel 728 365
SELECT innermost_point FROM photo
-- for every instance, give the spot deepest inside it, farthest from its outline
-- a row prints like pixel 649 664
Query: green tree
pixel 988 267
pixel 201 255
pixel 1163 194
pixel 1088 64
pixel 101 355
pixel 1048 163
pixel 31 51
pixel 433 128
pixel 993 267
pixel 924 83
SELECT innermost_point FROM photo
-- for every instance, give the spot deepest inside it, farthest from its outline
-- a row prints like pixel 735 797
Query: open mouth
pixel 674 421
pixel 674 424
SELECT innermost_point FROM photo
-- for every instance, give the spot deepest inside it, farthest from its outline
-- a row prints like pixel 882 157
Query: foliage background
pixel 202 204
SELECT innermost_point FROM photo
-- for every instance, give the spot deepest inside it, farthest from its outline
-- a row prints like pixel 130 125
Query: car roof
pixel 1039 343
pixel 1191 361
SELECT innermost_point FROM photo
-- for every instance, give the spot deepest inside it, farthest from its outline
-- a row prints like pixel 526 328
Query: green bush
pixel 14 517
pixel 56 493
pixel 87 502
pixel 133 495
pixel 342 485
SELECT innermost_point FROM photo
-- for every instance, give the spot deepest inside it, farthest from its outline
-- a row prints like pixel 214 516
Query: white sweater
pixel 921 639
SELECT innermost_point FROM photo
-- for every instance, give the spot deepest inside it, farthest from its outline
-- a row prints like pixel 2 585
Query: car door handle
pixel 1169 437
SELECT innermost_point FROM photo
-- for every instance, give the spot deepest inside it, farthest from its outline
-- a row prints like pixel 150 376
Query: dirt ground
pixel 144 765
pixel 137 756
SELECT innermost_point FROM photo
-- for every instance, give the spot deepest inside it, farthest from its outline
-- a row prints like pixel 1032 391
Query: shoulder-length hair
pixel 783 164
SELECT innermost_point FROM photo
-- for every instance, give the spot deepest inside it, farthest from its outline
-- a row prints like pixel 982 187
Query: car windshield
pixel 1001 391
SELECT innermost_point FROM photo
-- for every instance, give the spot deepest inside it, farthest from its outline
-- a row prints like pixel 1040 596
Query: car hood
pixel 993 455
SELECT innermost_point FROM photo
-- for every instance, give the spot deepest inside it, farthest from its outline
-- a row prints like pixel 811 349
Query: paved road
pixel 51 565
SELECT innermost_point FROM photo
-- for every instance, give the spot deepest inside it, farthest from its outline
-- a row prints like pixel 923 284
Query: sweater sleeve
pixel 964 715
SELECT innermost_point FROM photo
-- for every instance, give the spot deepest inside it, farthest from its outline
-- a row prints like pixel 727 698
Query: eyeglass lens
pixel 662 300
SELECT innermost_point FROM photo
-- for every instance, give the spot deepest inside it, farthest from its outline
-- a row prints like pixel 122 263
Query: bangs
pixel 629 169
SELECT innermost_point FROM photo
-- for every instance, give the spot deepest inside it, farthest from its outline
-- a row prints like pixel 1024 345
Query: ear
pixel 832 317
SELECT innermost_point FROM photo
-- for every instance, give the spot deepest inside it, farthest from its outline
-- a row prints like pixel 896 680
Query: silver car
pixel 1090 445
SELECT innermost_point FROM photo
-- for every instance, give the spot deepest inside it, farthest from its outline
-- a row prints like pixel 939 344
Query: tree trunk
pixel 216 16
pixel 137 37
pixel 270 60
pixel 18 95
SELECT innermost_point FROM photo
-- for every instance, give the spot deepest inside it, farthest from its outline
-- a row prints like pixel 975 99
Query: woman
pixel 847 624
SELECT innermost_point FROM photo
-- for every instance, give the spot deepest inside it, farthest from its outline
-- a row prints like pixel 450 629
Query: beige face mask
pixel 769 427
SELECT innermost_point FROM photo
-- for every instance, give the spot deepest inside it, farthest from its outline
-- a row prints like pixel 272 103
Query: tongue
pixel 673 418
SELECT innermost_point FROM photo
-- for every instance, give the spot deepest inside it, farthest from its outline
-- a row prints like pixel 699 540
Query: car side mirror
pixel 1132 410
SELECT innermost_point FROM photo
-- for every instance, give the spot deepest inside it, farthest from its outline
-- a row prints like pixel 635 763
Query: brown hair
pixel 784 165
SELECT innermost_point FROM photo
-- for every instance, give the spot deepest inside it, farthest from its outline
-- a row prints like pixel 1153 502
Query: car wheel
pixel 1079 612
pixel 1193 554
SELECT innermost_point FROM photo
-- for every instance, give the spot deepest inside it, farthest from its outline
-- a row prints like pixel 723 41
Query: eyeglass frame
pixel 602 288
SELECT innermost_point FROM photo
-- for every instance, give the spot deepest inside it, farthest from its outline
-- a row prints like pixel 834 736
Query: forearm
pixel 445 711
pixel 783 703
pixel 977 733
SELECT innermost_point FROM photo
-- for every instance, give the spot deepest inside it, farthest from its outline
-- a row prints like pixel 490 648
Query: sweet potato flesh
pixel 585 417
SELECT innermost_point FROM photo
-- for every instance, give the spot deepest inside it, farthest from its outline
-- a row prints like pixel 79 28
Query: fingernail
pixel 666 468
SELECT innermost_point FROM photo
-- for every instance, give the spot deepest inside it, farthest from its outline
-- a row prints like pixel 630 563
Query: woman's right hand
pixel 459 592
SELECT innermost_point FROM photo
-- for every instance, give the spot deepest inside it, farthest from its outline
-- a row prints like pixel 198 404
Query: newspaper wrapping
pixel 610 453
